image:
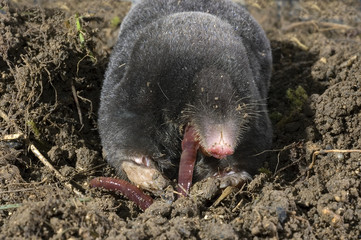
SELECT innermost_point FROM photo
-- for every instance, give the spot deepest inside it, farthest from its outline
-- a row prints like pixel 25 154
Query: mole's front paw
pixel 232 178
pixel 145 176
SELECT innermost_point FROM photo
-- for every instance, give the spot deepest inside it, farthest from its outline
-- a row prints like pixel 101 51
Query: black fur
pixel 176 62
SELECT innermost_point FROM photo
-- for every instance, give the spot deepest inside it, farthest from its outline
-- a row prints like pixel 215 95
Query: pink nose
pixel 219 140
pixel 220 150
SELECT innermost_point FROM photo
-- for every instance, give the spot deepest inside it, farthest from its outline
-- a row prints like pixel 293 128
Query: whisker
pixel 230 99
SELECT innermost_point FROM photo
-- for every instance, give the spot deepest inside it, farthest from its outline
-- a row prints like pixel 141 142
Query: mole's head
pixel 221 111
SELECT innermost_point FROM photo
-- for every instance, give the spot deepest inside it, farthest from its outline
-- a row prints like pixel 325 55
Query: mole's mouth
pixel 221 150
pixel 218 150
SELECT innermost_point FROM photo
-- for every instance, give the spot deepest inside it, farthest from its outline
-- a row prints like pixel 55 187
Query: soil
pixel 53 55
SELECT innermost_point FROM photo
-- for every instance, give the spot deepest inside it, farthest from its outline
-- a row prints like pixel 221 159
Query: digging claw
pixel 233 178
pixel 145 177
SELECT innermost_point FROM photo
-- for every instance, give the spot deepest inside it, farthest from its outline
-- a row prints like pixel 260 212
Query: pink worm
pixel 190 146
pixel 127 189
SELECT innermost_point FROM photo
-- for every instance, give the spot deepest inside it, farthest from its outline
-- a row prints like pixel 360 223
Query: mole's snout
pixel 220 142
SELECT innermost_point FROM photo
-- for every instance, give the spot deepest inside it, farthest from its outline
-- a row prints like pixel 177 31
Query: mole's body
pixel 203 63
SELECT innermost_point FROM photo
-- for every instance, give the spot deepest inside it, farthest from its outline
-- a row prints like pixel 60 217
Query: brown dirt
pixel 49 92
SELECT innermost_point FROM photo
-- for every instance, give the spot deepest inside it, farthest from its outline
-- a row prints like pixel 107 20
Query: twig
pixel 317 24
pixel 75 95
pixel 279 154
pixel 17 190
pixel 315 153
pixel 22 184
pixel 41 157
pixel 10 137
pixel 90 102
pixel 88 170
pixel 179 194
pixel 298 42
pixel 237 206
pixel 224 194
pixel 78 64
pixel 56 172
pixel 289 165
pixel 241 201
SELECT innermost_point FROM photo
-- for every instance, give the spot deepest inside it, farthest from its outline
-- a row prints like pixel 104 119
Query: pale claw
pixel 145 177
pixel 233 178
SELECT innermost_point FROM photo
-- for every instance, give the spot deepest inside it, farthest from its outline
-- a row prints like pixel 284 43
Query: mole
pixel 183 67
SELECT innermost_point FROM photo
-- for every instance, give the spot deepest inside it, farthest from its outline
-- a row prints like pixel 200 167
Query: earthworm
pixel 132 192
pixel 190 146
